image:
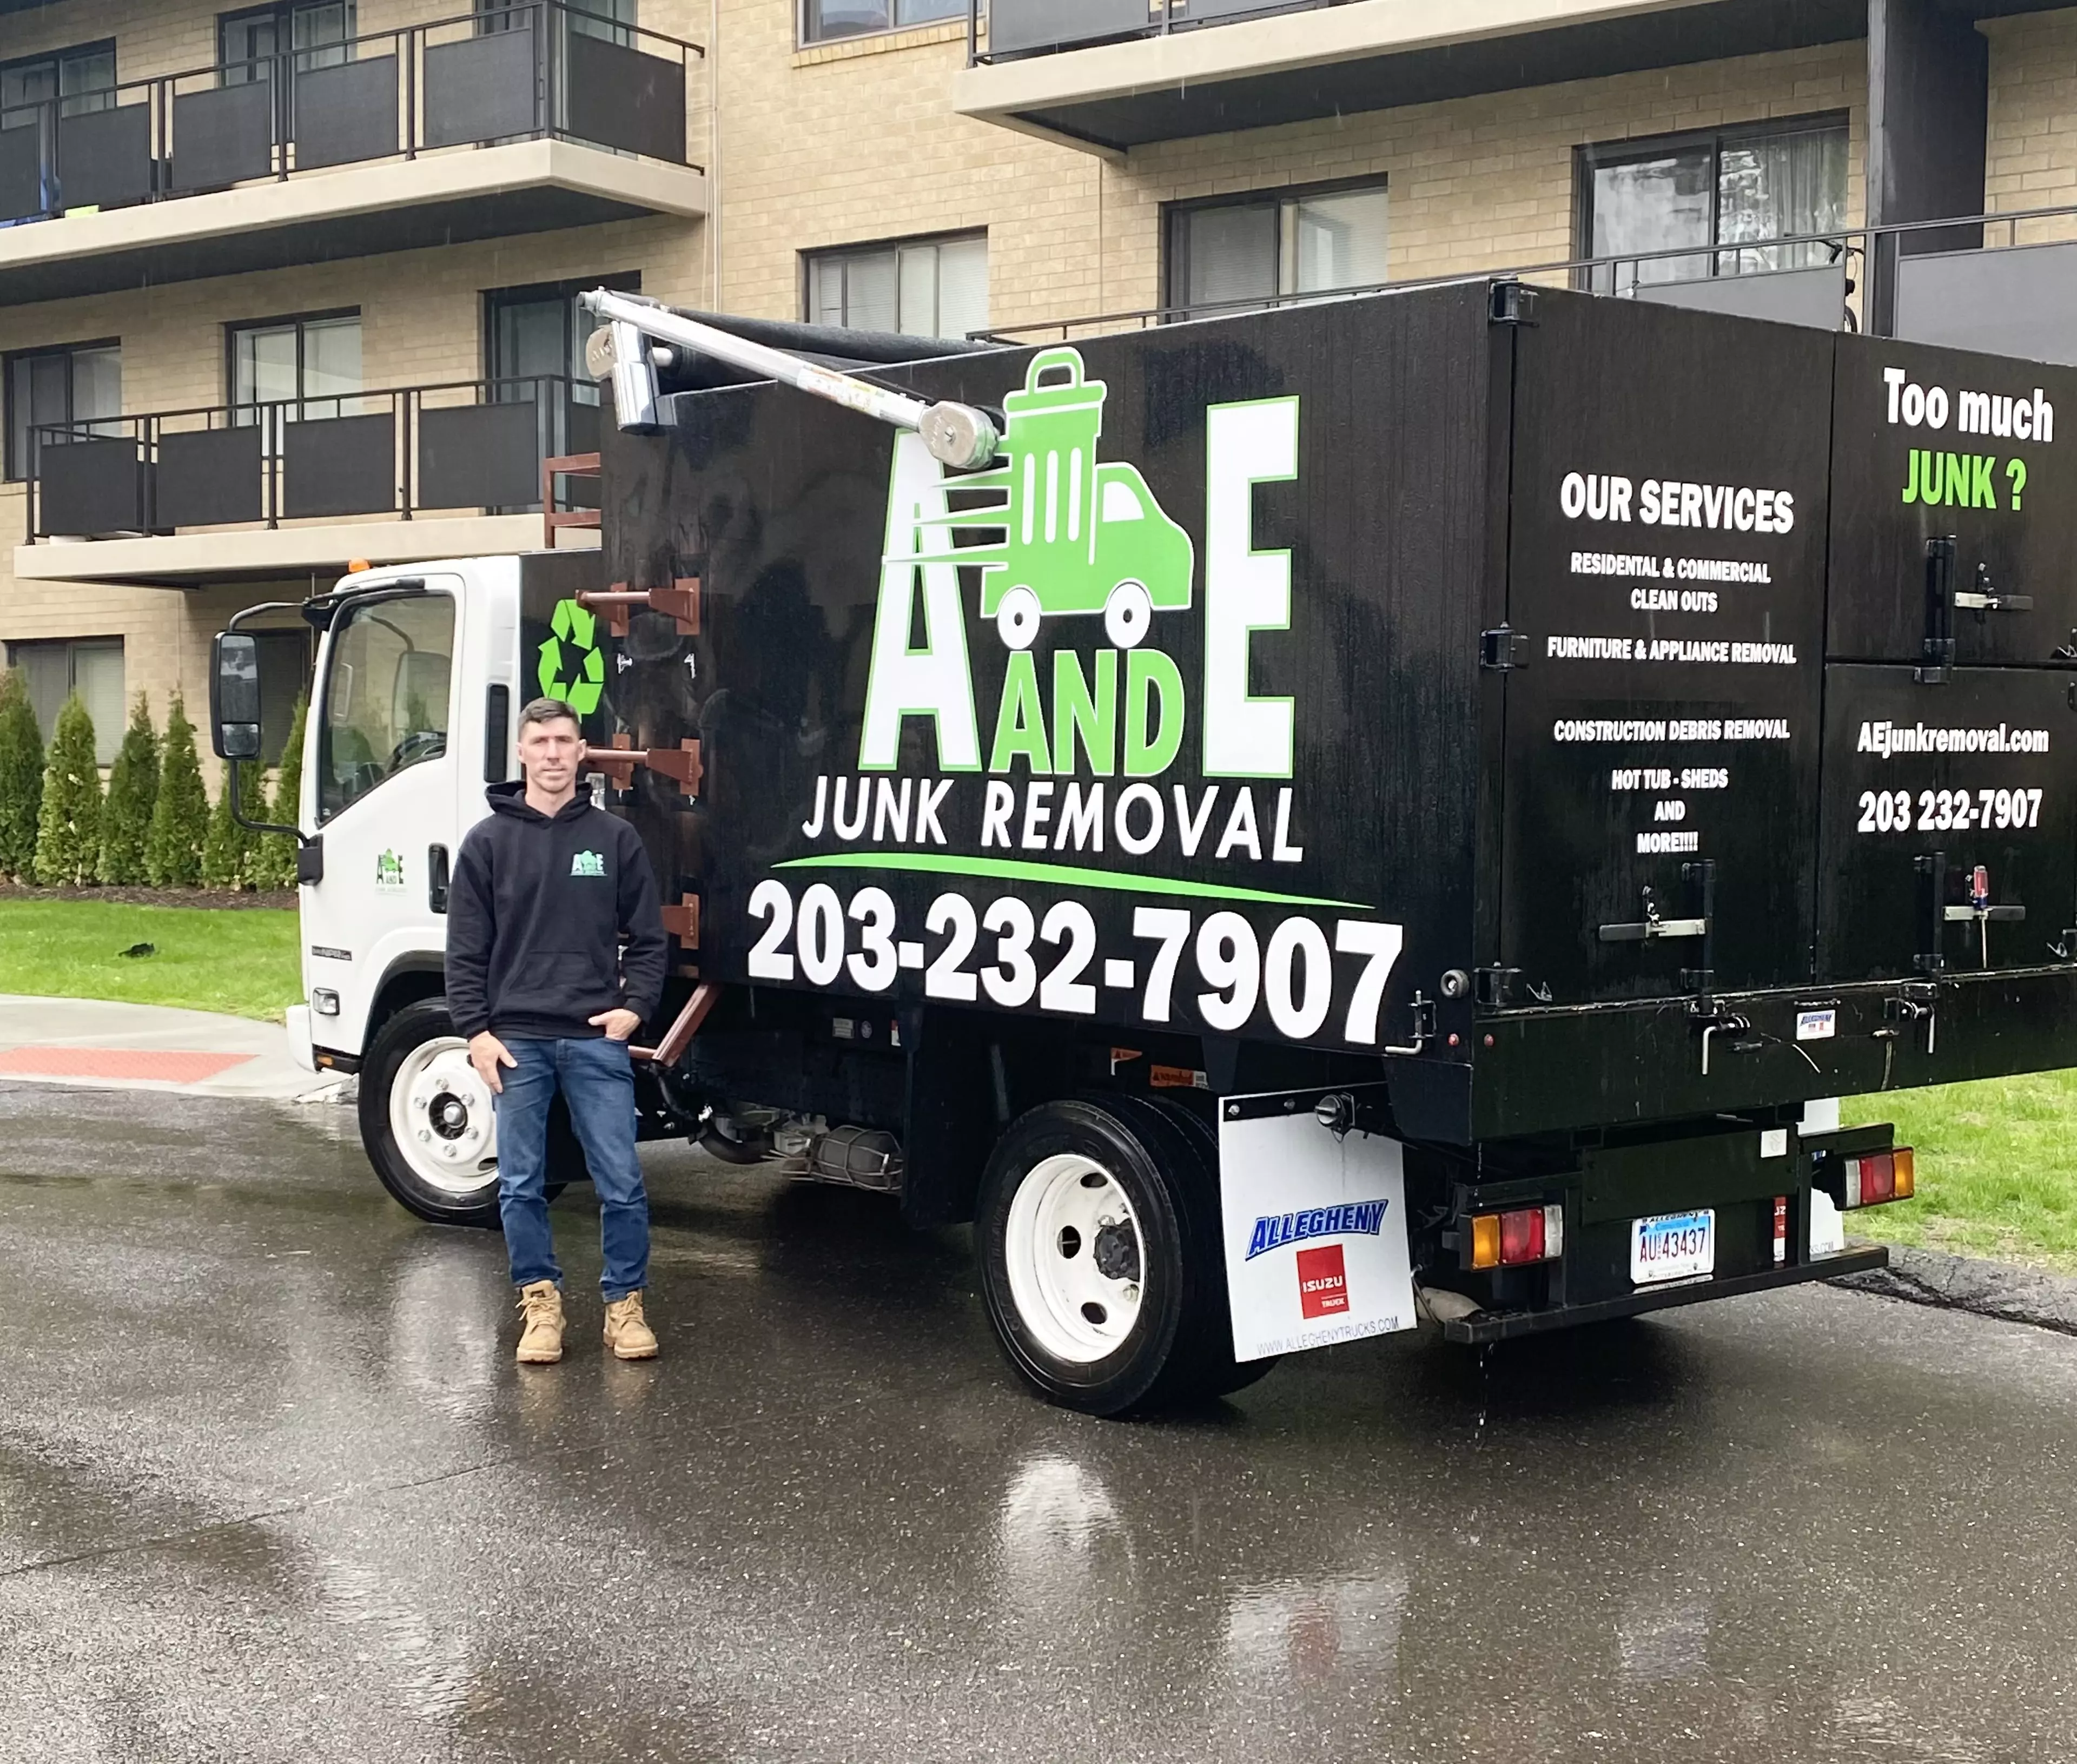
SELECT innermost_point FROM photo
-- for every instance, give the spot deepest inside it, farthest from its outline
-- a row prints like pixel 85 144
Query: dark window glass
pixel 533 344
pixel 287 370
pixel 1727 193
pixel 1283 245
pixel 92 668
pixel 927 288
pixel 386 698
pixel 824 19
pixel 319 33
pixel 54 395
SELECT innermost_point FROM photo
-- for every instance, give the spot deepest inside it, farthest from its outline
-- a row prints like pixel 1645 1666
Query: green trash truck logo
pixel 572 666
pixel 1078 536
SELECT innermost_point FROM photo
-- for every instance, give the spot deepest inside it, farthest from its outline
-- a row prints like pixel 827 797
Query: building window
pixel 57 395
pixel 1289 244
pixel 82 79
pixel 821 20
pixel 1733 190
pixel 925 288
pixel 534 345
pixel 319 33
pixel 291 370
pixel 91 667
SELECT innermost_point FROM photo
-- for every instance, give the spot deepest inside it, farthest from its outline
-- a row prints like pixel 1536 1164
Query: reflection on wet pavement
pixel 271 1488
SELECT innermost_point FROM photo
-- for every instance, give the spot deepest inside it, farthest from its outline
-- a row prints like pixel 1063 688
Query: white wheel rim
pixel 1128 614
pixel 1016 618
pixel 442 1117
pixel 1069 1222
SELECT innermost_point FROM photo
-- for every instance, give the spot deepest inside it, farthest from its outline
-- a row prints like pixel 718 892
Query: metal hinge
pixel 1503 649
pixel 1512 304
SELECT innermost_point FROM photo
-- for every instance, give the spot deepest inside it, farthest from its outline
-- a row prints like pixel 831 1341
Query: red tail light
pixel 1880 1176
pixel 1510 1240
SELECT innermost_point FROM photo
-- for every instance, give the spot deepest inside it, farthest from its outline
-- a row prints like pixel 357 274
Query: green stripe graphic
pixel 1067 875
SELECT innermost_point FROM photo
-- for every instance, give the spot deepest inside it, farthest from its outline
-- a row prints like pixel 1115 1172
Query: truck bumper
pixel 1484 1326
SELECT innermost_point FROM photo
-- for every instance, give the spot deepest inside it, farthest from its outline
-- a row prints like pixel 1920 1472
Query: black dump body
pixel 1580 716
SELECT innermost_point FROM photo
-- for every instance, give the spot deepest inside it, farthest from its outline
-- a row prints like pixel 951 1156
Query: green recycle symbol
pixel 578 678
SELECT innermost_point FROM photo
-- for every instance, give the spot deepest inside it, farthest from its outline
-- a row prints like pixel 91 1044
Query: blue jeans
pixel 596 1083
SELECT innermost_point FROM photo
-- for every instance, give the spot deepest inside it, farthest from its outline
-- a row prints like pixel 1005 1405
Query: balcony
pixel 179 498
pixel 513 121
pixel 2002 284
pixel 1108 75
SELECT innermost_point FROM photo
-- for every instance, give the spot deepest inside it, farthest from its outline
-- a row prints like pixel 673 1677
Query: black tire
pixel 1179 1347
pixel 1238 1374
pixel 440 1202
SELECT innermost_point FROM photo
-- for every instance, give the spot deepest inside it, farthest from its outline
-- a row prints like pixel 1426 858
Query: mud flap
pixel 1313 1219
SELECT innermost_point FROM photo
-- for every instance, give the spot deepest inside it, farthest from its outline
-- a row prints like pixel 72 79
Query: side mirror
pixel 234 697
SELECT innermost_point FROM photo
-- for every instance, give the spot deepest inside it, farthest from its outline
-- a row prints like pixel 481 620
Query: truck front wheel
pixel 1100 1262
pixel 427 1121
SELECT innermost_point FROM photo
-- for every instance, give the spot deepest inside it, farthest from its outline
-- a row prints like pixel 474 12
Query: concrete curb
pixel 1959 1282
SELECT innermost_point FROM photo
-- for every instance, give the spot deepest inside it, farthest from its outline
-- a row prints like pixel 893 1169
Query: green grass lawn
pixel 241 961
pixel 1997 1161
pixel 1997 1169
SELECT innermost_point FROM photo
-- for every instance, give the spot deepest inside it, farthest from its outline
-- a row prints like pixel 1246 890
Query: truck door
pixel 1666 595
pixel 384 792
pixel 1948 835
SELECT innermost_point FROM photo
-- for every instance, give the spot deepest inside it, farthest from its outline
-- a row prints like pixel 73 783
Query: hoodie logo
pixel 588 863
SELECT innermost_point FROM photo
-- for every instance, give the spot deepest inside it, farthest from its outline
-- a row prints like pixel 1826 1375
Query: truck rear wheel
pixel 427 1124
pixel 1100 1262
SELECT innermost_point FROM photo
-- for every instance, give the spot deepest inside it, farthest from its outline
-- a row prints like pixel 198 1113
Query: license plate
pixel 1674 1247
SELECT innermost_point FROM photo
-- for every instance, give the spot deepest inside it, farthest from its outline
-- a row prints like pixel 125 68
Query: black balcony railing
pixel 1005 29
pixel 529 70
pixel 2005 284
pixel 470 446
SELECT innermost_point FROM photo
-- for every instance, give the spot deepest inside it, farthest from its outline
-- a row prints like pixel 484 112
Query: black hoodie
pixel 535 913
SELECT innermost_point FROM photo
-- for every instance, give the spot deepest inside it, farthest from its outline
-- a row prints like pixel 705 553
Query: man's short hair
pixel 548 710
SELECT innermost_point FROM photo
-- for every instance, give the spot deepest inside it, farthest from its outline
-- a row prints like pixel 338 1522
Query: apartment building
pixel 286 286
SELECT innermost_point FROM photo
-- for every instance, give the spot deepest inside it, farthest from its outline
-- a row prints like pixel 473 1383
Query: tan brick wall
pixel 421 313
pixel 2032 160
pixel 421 325
pixel 852 142
pixel 856 142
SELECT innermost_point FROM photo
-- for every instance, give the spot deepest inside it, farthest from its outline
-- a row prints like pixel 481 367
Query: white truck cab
pixel 420 674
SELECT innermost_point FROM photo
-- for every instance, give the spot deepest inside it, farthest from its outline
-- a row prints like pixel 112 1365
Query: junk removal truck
pixel 1397 807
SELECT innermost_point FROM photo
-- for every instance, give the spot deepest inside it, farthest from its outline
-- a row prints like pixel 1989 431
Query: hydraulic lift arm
pixel 621 351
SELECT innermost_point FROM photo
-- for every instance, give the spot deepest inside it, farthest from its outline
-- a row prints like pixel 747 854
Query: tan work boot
pixel 541 1343
pixel 627 1334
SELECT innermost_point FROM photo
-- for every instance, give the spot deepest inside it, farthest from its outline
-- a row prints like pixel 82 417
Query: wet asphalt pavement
pixel 271 1488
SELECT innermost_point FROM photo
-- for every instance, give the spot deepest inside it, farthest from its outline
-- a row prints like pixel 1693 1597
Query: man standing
pixel 543 891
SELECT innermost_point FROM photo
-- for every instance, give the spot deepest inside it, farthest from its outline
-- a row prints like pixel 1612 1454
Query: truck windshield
pixel 385 695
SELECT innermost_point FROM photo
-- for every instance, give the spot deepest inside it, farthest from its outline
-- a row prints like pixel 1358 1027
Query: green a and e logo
pixel 1063 534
